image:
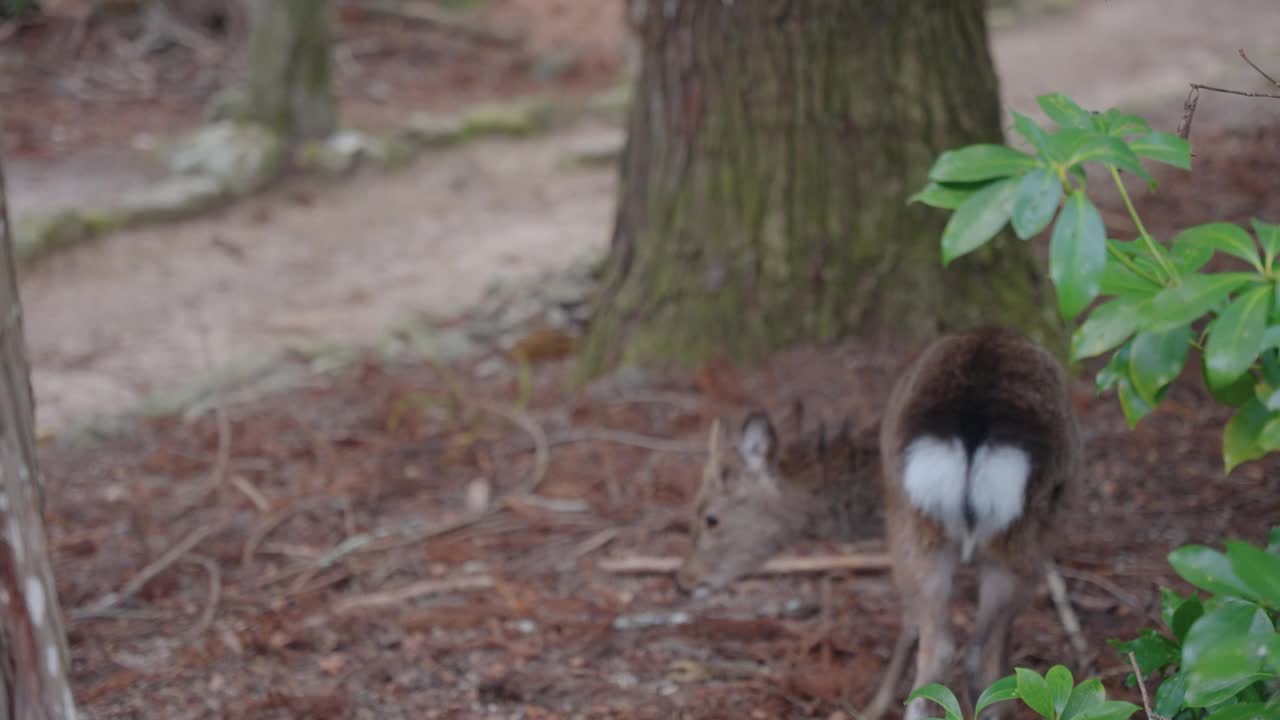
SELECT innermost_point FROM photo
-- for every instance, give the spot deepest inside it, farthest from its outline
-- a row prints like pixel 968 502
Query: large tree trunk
pixel 33 652
pixel 772 146
pixel 291 67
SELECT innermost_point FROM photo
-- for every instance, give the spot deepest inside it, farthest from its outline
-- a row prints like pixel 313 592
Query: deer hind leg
pixel 929 599
pixel 1002 594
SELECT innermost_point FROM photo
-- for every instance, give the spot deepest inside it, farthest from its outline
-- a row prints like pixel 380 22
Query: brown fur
pixel 769 492
pixel 813 485
pixel 999 381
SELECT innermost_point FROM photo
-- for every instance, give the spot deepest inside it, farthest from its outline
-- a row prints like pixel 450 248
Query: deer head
pixel 740 516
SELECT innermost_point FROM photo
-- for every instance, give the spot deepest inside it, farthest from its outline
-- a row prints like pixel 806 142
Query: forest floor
pixel 370 544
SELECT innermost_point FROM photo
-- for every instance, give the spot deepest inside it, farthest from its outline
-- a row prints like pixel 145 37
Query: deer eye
pixel 711 521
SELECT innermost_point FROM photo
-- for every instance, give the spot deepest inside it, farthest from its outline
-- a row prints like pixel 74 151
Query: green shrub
pixel 1154 294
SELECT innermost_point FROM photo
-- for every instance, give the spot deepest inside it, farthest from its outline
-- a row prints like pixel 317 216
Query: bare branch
pixel 1255 67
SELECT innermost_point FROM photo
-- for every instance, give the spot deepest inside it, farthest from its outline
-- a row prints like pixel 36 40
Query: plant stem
pixel 1129 263
pixel 1154 249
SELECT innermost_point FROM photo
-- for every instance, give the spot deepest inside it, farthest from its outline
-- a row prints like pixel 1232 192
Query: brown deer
pixel 971 464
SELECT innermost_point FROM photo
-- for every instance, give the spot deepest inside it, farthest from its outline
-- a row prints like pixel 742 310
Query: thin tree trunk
pixel 33 651
pixel 772 146
pixel 291 67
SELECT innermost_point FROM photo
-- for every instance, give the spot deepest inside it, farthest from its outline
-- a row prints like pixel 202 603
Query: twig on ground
pixel 413 590
pixel 1261 72
pixel 131 588
pixel 445 20
pixel 1116 591
pixel 390 538
pixel 267 524
pixel 626 437
pixel 255 495
pixel 639 564
pixel 618 437
pixel 1142 687
pixel 215 594
pixel 1067 616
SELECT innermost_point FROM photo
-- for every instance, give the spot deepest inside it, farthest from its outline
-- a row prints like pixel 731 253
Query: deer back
pixel 980 442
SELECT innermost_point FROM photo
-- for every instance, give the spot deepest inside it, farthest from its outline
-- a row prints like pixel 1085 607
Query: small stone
pixel 242 156
pixel 599 149
pixel 171 199
pixel 430 130
pixel 444 345
pixel 490 367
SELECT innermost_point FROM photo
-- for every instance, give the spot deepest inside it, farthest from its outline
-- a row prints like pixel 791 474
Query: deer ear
pixel 758 442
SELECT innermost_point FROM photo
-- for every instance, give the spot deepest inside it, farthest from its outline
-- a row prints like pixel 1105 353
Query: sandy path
pixel 114 321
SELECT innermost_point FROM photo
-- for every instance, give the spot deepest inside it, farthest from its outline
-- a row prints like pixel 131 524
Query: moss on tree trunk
pixel 291 67
pixel 772 147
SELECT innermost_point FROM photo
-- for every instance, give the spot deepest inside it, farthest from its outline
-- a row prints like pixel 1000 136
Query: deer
pixel 971 463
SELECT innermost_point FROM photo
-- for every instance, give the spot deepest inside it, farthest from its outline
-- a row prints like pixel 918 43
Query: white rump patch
pixel 933 476
pixel 940 482
pixel 997 482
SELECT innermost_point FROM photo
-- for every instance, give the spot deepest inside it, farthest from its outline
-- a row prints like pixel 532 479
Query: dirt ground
pixel 318 505
pixel 171 302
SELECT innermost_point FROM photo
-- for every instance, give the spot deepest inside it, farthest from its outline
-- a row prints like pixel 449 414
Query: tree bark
pixel 33 651
pixel 291 67
pixel 772 146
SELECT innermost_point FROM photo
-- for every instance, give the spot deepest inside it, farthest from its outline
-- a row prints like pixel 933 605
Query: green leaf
pixel 1064 111
pixel 1236 336
pixel 941 695
pixel 1152 650
pixel 1034 691
pixel 1273 540
pixel 1229 665
pixel 1170 601
pixel 1220 637
pixel 1257 569
pixel 1155 359
pixel 1077 254
pixel 1109 710
pixel 1163 147
pixel 1268 237
pixel 1072 147
pixel 1189 255
pixel 1246 711
pixel 1006 688
pixel 1269 435
pixel 1235 393
pixel 1186 616
pixel 980 162
pixel 1108 326
pixel 1240 440
pixel 1116 369
pixel 1036 202
pixel 1135 407
pixel 1060 683
pixel 1034 134
pixel 1169 695
pixel 978 219
pixel 1121 282
pixel 1207 569
pixel 1118 124
pixel 1226 237
pixel 1175 307
pixel 947 196
pixel 1086 695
